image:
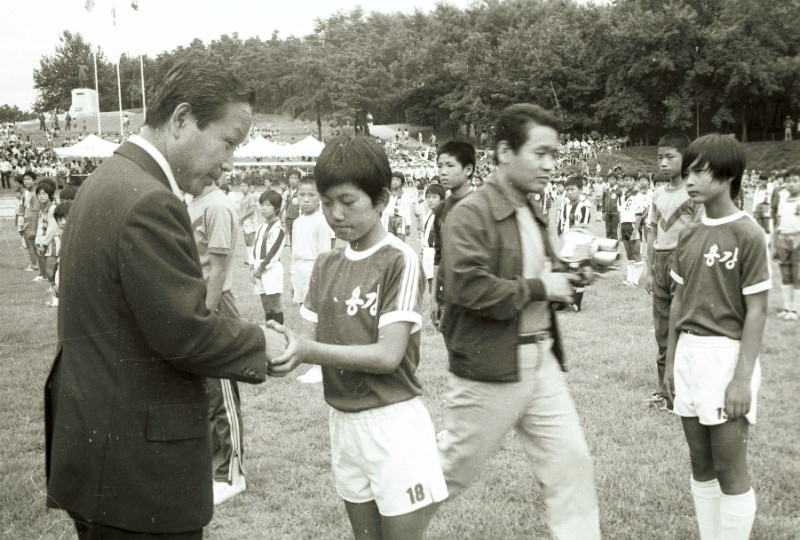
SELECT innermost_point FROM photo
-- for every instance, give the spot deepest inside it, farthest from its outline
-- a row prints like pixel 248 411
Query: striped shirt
pixel 352 295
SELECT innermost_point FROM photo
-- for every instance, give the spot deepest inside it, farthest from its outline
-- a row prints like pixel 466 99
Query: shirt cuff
pixel 678 279
pixel 757 288
pixel 402 316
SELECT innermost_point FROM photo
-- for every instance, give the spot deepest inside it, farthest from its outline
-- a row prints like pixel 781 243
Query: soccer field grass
pixel 641 459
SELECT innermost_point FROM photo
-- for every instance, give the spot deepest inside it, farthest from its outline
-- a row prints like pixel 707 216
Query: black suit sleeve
pixel 164 289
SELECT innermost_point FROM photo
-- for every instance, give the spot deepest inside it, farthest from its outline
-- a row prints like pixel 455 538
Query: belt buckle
pixel 535 337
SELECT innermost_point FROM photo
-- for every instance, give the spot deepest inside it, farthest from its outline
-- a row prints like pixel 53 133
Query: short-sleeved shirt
pixel 351 296
pixel 789 215
pixel 216 226
pixel 671 210
pixel 719 262
pixel 631 206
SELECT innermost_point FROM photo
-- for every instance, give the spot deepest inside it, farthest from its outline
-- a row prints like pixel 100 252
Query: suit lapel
pixel 139 155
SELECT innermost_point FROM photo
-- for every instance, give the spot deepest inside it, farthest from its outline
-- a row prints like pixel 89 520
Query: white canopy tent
pixel 90 147
pixel 258 148
pixel 308 147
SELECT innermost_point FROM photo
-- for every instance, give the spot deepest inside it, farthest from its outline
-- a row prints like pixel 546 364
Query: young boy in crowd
pixel 722 279
pixel 610 206
pixel 291 204
pixel 671 212
pixel 311 237
pixel 248 218
pixel 632 207
pixel 267 251
pixel 434 196
pixel 397 215
pixel 362 325
pixel 30 220
pixel 576 210
pixel 456 164
pixel 787 245
pixel 20 214
pixel 60 214
pixel 46 230
pixel 215 227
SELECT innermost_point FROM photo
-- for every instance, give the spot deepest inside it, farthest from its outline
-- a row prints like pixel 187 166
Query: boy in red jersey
pixel 722 275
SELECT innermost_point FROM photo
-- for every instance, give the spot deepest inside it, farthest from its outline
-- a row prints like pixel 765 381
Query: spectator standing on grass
pixel 610 206
pixel 505 352
pixel 267 252
pixel 47 232
pixel 787 246
pixel 31 220
pixel 19 214
pixel 215 227
pixel 456 164
pixel 722 279
pixel 434 196
pixel 60 213
pixel 632 207
pixel 248 218
pixel 671 211
pixel 362 321
pixel 291 204
pixel 126 409
pixel 788 124
pixel 397 215
pixel 575 210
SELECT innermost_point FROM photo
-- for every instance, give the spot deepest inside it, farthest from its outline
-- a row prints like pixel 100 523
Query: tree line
pixel 632 67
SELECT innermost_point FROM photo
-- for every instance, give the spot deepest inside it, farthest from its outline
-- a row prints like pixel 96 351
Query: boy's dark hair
pixel 462 151
pixel 722 154
pixel 308 180
pixel 678 141
pixel 68 193
pixel 354 159
pixel 629 173
pixel 294 172
pixel 272 197
pixel 792 171
pixel 28 173
pixel 399 174
pixel 207 86
pixel 513 124
pixel 48 185
pixel 436 189
pixel 226 188
pixel 574 180
pixel 62 210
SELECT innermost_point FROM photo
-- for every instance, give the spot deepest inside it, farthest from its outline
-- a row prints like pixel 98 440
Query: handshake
pixel 283 349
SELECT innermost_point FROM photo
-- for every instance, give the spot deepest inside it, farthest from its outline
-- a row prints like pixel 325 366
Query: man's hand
pixel 560 286
pixel 277 341
pixel 284 362
pixel 435 314
pixel 737 398
pixel 647 281
pixel 41 250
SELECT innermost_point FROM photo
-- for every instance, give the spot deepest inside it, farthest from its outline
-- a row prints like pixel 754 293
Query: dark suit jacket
pixel 125 404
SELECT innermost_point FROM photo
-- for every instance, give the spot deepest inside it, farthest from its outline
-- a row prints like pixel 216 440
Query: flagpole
pixel 96 92
pixel 144 104
pixel 119 94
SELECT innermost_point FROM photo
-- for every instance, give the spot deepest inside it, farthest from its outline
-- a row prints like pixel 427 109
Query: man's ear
pixel 471 170
pixel 181 116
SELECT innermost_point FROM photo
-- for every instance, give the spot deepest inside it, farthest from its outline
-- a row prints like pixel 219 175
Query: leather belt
pixel 536 337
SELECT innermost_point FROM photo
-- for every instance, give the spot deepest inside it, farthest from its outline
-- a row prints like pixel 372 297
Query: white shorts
pixel 387 455
pixel 704 367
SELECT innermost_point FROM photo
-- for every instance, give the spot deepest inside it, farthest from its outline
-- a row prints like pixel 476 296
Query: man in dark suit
pixel 128 447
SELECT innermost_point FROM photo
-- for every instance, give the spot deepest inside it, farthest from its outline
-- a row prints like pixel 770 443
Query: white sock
pixel 630 272
pixel 637 272
pixel 796 303
pixel 737 513
pixel 787 292
pixel 706 497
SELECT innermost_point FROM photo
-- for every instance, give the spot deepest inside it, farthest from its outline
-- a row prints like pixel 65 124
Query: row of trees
pixel 632 67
